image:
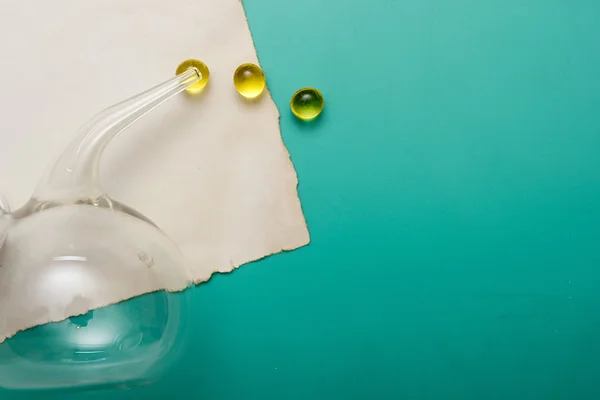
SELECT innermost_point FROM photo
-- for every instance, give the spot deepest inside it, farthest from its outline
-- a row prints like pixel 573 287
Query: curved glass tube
pixel 75 174
pixel 72 251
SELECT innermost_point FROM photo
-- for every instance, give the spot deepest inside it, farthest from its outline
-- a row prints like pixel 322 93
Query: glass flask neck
pixel 75 175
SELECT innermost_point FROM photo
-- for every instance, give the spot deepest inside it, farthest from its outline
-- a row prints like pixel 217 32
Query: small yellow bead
pixel 249 80
pixel 201 68
pixel 307 103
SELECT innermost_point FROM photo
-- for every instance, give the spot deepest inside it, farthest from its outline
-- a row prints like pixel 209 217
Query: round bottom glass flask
pixel 73 263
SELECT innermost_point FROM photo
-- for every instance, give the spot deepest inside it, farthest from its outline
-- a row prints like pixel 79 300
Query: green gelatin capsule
pixel 307 103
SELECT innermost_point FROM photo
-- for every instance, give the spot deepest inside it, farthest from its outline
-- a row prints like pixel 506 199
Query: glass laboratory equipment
pixel 72 248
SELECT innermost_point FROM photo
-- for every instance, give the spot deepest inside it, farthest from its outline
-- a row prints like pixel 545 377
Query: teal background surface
pixel 452 191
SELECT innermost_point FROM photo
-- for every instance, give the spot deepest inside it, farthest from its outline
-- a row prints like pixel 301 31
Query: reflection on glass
pixel 130 343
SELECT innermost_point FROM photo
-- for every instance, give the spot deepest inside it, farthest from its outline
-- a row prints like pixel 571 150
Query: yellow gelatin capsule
pixel 307 103
pixel 249 80
pixel 201 68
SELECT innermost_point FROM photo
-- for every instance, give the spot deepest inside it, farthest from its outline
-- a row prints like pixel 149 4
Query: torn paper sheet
pixel 210 170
